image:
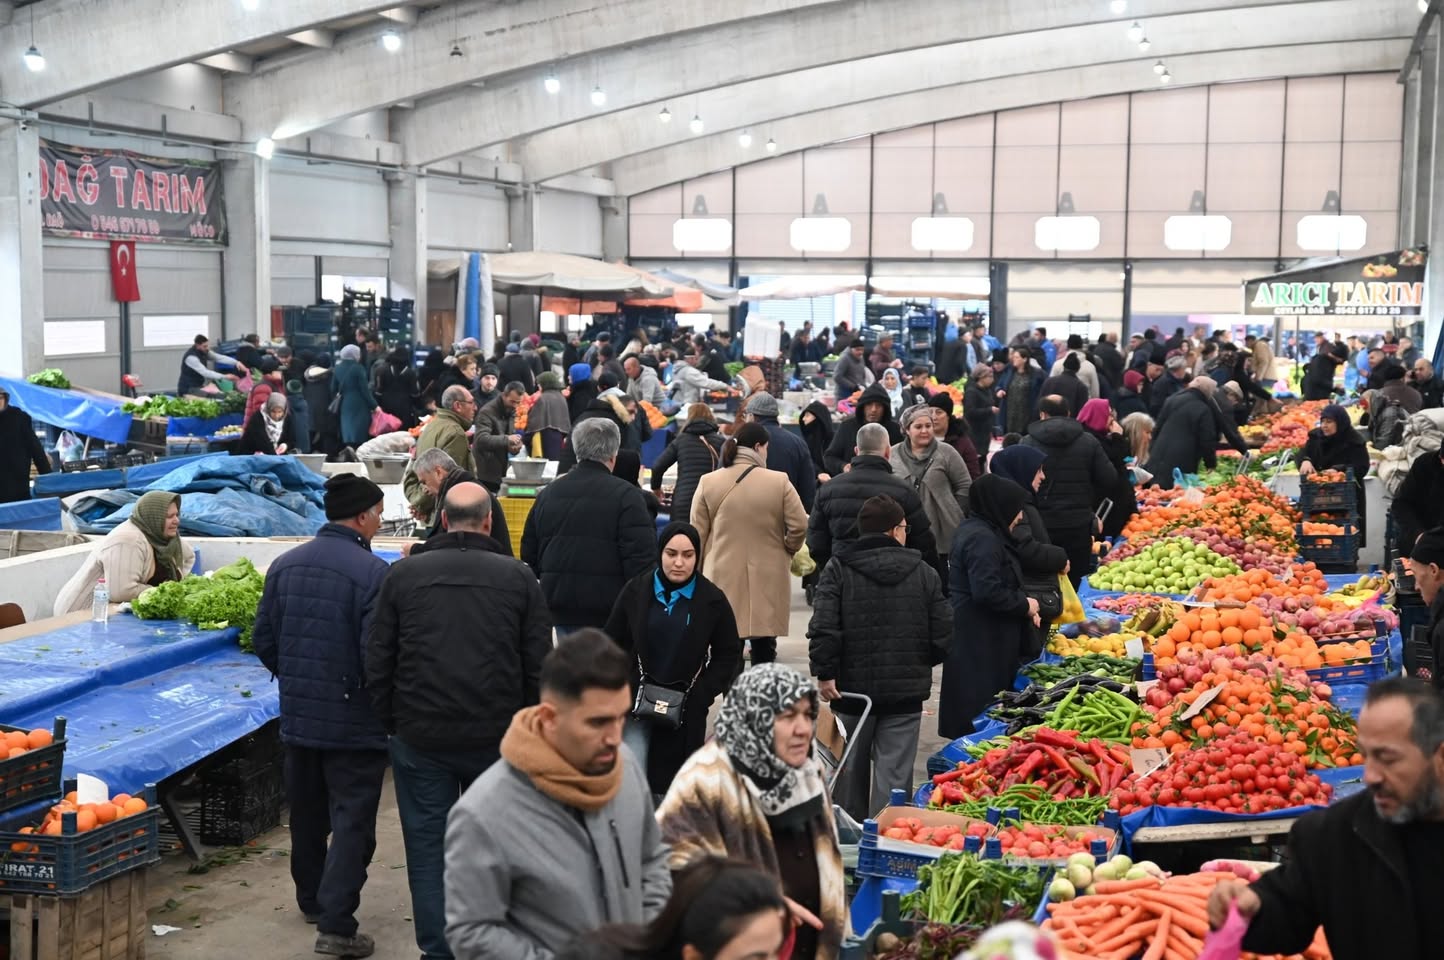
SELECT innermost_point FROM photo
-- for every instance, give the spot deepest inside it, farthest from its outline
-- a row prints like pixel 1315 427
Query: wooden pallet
pixel 106 922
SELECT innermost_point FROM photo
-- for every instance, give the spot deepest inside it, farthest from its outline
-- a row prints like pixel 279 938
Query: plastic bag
pixel 70 447
pixel 1226 943
pixel 383 422
pixel 802 563
pixel 1072 606
pixel 245 384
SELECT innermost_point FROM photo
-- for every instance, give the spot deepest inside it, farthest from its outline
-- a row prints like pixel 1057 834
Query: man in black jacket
pixel 495 438
pixel 1419 504
pixel 833 517
pixel 1381 363
pixel 438 473
pixel 1078 477
pixel 1187 433
pixel 786 451
pixel 455 649
pixel 1426 563
pixel 589 532
pixel 1174 379
pixel 873 406
pixel 1318 380
pixel 1367 868
pixel 19 448
pixel 880 623
pixel 1430 387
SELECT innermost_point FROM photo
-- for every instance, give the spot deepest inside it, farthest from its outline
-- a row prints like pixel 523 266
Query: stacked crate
pixel 1334 503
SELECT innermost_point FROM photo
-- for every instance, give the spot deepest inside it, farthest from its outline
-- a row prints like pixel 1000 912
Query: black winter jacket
pixel 1371 916
pixel 1164 387
pixel 587 535
pixel 1068 386
pixel 711 631
pixel 456 645
pixel 1127 402
pixel 1121 492
pixel 1419 504
pixel 629 461
pixel 499 530
pixel 310 632
pixel 880 623
pixel 489 443
pixel 844 442
pixel 787 453
pixel 255 439
pixel 1077 474
pixel 1186 435
pixel 978 403
pixel 1109 363
pixel 515 367
pixel 834 516
pixel 696 451
pixel 817 435
pixel 396 393
pixel 1318 380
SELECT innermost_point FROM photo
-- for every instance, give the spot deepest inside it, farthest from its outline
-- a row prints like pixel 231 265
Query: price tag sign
pixel 90 789
pixel 1144 686
pixel 1204 699
pixel 1133 647
pixel 1147 761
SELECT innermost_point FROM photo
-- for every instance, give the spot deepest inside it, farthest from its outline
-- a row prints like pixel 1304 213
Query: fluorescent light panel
pixel 1070 234
pixel 1209 233
pixel 702 234
pixel 948 234
pixel 1328 232
pixel 821 234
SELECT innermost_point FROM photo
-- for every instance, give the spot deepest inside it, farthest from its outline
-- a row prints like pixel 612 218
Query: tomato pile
pixel 1045 842
pixel 948 836
pixel 1231 774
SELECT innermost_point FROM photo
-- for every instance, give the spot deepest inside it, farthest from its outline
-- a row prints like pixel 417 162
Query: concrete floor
pixel 244 907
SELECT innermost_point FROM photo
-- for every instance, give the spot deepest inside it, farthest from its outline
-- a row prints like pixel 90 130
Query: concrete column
pixel 523 312
pixel 22 299
pixel 246 265
pixel 1424 157
pixel 1429 219
pixel 406 203
pixel 614 229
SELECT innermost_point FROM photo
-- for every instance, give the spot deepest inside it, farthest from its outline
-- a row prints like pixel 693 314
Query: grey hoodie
pixel 526 875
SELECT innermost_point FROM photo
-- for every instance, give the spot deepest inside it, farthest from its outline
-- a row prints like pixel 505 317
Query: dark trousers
pixel 333 792
pixel 428 784
pixel 1077 542
pixel 764 649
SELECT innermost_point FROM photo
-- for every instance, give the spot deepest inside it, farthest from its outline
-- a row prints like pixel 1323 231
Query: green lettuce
pixel 227 598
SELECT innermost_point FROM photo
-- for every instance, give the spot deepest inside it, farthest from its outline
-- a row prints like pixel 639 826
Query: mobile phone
pixel 1104 508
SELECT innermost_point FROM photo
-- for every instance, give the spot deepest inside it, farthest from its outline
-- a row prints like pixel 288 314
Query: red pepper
pixel 941 778
pixel 1052 738
pixel 1060 761
pixel 1034 761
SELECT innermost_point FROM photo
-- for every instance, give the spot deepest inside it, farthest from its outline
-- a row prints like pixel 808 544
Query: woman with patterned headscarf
pixel 757 793
pixel 142 552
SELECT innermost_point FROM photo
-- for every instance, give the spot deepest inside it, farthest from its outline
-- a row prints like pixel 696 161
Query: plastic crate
pixel 35 774
pixel 515 509
pixel 1353 673
pixel 1328 497
pixel 1330 548
pixel 240 801
pixel 72 861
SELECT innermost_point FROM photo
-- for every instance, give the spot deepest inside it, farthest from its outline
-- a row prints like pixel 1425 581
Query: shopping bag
pixel 383 422
pixel 1072 606
pixel 70 447
pixel 802 563
pixel 1226 943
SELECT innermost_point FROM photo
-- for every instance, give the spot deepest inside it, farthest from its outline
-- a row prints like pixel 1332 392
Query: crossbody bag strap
pixel 706 659
pixel 735 485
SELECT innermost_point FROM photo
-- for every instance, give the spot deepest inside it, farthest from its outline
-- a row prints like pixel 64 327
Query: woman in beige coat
pixel 143 551
pixel 751 522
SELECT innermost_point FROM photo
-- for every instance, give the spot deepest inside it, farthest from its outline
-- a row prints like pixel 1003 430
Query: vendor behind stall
pixel 19 447
pixel 199 365
pixel 143 552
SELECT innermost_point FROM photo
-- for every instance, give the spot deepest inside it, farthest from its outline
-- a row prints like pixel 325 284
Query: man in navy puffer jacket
pixel 310 632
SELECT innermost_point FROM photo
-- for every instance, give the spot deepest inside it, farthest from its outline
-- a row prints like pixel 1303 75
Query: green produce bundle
pixel 174 407
pixel 1036 805
pixel 228 597
pixel 1047 675
pixel 50 377
pixel 963 888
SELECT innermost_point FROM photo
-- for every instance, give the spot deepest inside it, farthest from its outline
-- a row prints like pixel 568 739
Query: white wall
pixel 329 202
pixel 188 86
pixel 465 216
pixel 568 223
pixel 293 280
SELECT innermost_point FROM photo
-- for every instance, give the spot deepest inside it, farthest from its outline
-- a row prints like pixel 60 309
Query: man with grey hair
pixel 589 532
pixel 833 517
pixel 446 431
pixel 1366 868
pixel 438 473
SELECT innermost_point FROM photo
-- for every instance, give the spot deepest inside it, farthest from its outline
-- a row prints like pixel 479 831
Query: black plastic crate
pixel 240 801
pixel 35 774
pixel 1330 548
pixel 71 861
pixel 1336 497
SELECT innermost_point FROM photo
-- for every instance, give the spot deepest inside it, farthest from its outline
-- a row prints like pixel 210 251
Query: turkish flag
pixel 123 278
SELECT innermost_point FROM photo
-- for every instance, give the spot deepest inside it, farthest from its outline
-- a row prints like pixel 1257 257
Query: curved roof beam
pixel 90 44
pixel 357 75
pixel 754 104
pixel 685 66
pixel 707 154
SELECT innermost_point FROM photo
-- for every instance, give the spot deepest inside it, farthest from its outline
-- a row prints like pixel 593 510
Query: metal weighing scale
pixel 514 487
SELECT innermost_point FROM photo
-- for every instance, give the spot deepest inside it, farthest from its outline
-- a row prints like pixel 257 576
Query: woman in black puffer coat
pixel 696 451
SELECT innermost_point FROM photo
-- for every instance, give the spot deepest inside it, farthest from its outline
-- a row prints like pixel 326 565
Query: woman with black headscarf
pixel 1040 559
pixel 1335 445
pixel 815 424
pixel 993 618
pixel 679 630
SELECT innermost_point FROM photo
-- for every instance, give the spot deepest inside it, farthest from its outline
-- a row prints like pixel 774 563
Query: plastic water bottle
pixel 100 602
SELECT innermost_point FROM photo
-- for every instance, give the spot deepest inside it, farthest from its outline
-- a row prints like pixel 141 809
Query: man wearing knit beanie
pixel 786 451
pixel 880 622
pixel 310 633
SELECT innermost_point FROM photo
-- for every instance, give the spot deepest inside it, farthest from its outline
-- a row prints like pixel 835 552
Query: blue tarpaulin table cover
pixel 43 514
pixel 84 413
pixel 198 427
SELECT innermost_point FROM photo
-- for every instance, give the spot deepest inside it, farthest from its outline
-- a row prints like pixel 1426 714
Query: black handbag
pixel 659 704
pixel 1045 590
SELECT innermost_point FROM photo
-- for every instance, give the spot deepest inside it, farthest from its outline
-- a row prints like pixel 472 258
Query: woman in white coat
pixel 142 552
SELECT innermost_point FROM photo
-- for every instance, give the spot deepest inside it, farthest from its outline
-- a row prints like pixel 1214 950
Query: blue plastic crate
pixel 1330 548
pixel 73 862
pixel 1353 673
pixel 874 862
pixel 1329 497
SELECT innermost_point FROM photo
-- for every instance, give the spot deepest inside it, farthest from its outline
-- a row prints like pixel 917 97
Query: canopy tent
pixel 561 274
pixel 802 288
pixel 722 296
pixel 683 299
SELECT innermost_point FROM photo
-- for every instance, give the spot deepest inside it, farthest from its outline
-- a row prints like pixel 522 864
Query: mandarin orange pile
pixel 88 816
pixel 1242 507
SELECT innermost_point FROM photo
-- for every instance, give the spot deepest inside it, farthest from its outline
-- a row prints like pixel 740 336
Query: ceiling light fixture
pixel 456 50
pixel 1118 6
pixel 1165 76
pixel 599 96
pixel 744 140
pixel 1159 68
pixel 695 124
pixel 771 145
pixel 665 116
pixel 1143 45
pixel 265 148
pixel 552 84
pixel 1135 31
pixel 391 40
pixel 34 59
pixel 1423 6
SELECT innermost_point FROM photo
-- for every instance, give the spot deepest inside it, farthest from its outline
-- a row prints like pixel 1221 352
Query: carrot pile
pixel 1165 920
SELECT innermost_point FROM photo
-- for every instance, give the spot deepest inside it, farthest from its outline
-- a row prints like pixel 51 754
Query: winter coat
pixel 711 810
pixel 1164 387
pixel 499 530
pixel 19 448
pixel 1009 420
pixel 256 399
pixel 1431 392
pixel 580 396
pixel 324 424
pixel 1185 436
pixel 397 392
pixel 1109 364
pixel 750 529
pixel 1068 386
pixel 1401 393
pixel 1419 504
pixel 1077 474
pixel 991 626
pixel 834 515
pixel 1318 380
pixel 1339 452
pixel 310 632
pixel 524 885
pixel 1087 373
pixel 1263 360
pixel 844 442
pixel 978 403
pixel 942 480
pixel 1126 402
pixel 647 388
pixel 446 430
pixel 1377 377
pixel 817 434
pixel 608 408
pixel 1121 492
pixel 490 444
pixel 961 442
pixel 587 534
pixel 513 367
pixel 880 623
pixel 437 678
pixel 255 439
pixel 851 374
pixel 787 453
pixel 710 637
pixel 1374 915
pixel 691 385
pixel 350 381
pixel 1037 555
pixel 696 451
pixel 127 561
pixel 880 360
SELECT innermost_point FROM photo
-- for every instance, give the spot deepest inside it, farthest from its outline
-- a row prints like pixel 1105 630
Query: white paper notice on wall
pixel 762 337
pixel 178 331
pixel 67 338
